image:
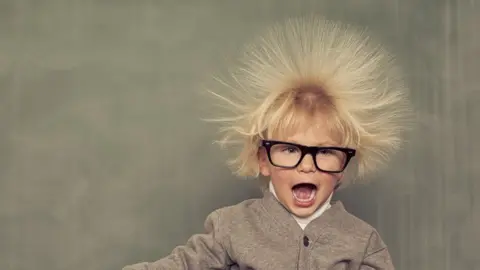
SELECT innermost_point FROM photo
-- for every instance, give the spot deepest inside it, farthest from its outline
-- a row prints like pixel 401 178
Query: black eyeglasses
pixel 326 159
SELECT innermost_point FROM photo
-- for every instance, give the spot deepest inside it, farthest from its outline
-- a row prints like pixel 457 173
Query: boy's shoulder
pixel 240 209
pixel 348 224
pixel 349 219
pixel 229 219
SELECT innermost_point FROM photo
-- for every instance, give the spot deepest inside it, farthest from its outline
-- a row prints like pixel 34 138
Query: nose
pixel 307 164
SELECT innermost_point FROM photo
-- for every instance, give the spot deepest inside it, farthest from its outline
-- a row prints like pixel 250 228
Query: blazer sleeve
pixel 376 255
pixel 201 251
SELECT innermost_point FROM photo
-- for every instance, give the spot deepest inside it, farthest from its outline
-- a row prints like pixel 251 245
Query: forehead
pixel 312 136
pixel 308 131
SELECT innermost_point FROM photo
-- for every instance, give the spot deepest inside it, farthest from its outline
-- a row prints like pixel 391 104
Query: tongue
pixel 303 192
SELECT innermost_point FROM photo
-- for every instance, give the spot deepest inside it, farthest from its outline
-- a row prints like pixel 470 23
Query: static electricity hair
pixel 304 70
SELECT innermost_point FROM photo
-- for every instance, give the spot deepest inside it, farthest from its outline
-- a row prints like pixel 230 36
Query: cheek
pixel 281 178
pixel 328 183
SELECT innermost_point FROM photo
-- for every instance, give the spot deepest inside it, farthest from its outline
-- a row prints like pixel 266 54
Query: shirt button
pixel 306 241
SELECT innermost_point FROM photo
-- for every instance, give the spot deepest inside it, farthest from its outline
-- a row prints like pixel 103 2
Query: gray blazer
pixel 261 234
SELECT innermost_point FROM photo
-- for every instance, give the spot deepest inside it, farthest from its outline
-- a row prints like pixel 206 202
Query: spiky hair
pixel 309 65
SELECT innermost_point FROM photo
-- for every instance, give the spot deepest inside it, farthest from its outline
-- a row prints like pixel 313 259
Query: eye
pixel 290 149
pixel 326 152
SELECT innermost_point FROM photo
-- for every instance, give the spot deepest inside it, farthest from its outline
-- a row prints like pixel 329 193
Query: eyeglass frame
pixel 312 150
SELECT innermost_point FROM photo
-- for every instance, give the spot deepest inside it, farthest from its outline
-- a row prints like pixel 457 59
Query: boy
pixel 313 96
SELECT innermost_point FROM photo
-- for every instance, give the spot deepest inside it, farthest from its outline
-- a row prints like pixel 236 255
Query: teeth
pixel 314 192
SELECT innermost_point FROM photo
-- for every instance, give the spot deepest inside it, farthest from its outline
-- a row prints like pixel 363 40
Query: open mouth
pixel 304 193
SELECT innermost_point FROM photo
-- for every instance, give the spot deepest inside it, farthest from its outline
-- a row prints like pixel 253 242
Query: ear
pixel 263 162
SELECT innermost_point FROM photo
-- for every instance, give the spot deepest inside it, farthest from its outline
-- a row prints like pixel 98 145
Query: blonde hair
pixel 308 66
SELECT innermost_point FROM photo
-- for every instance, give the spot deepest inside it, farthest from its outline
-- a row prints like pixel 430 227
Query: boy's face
pixel 302 200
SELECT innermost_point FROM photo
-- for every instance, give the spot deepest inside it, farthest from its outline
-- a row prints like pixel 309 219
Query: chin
pixel 303 212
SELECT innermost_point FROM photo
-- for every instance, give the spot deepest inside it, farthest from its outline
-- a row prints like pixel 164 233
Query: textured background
pixel 104 161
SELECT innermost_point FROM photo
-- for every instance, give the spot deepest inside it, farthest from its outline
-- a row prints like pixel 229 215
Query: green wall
pixel 104 160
